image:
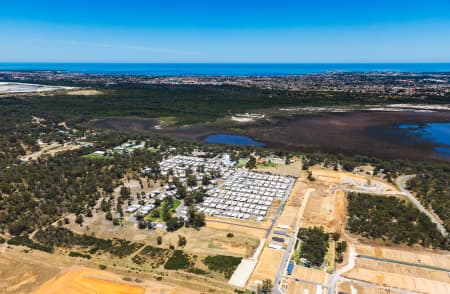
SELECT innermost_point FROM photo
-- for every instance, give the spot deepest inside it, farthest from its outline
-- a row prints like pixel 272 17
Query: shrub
pixel 178 260
pixel 78 254
pixel 223 264
pixel 314 245
pixel 197 271
pixel 25 241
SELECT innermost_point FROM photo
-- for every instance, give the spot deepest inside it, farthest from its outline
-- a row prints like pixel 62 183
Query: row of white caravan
pixel 140 209
pixel 246 195
pixel 178 164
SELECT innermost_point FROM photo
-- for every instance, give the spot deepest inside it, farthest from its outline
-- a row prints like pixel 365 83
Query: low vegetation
pixel 432 188
pixel 25 241
pixel 223 264
pixel 153 256
pixel 178 260
pixel 61 237
pixel 78 254
pixel 392 219
pixel 314 245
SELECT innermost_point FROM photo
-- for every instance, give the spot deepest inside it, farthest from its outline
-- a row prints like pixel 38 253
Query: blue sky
pixel 225 31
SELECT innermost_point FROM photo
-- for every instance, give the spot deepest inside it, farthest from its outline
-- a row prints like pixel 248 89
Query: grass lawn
pixel 176 203
pixel 153 150
pixel 94 156
pixel 170 120
pixel 266 164
pixel 242 162
pixel 330 257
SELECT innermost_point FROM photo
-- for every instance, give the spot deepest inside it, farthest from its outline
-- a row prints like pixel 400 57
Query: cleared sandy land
pixel 230 227
pixel 387 267
pixel 49 149
pixel 425 257
pixel 18 276
pixel 92 281
pixel 26 271
pixel 267 266
pixel 87 281
pixel 353 181
pixel 209 241
pixel 293 287
pixel 326 206
pixel 400 281
pixel 292 169
pixel 348 287
pixel 85 92
pixel 311 274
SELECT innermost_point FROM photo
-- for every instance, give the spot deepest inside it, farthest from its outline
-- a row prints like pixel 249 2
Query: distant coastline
pixel 225 69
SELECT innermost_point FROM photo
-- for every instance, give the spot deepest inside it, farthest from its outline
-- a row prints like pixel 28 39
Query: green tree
pixel 265 287
pixel 181 241
pixel 79 219
pixel 251 163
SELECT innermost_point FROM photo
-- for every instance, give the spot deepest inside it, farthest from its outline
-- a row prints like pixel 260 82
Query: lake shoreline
pixel 348 132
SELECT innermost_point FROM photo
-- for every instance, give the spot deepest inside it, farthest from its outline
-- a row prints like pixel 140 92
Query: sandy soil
pixel 49 149
pixel 352 180
pixel 225 227
pixel 85 92
pixel 347 287
pixel 211 241
pixel 326 205
pixel 407 282
pixel 412 271
pixel 311 274
pixel 407 254
pixel 293 287
pixel 25 272
pixel 86 281
pixel 81 280
pixel 268 265
pixel 292 169
pixel 18 276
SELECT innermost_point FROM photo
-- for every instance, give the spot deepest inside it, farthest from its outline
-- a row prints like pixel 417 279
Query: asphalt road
pixel 406 263
pixel 237 224
pixel 401 184
pixel 288 252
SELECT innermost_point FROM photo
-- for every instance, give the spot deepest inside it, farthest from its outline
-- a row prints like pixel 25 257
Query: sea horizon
pixel 225 69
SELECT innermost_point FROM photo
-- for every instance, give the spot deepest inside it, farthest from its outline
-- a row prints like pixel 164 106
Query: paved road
pixel 405 263
pixel 336 276
pixel 236 224
pixel 305 281
pixel 289 250
pixel 281 207
pixel 387 289
pixel 401 184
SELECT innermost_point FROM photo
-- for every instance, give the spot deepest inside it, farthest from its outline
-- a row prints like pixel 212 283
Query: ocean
pixel 225 69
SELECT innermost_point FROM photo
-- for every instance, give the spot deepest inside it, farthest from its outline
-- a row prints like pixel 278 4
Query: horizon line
pixel 224 62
